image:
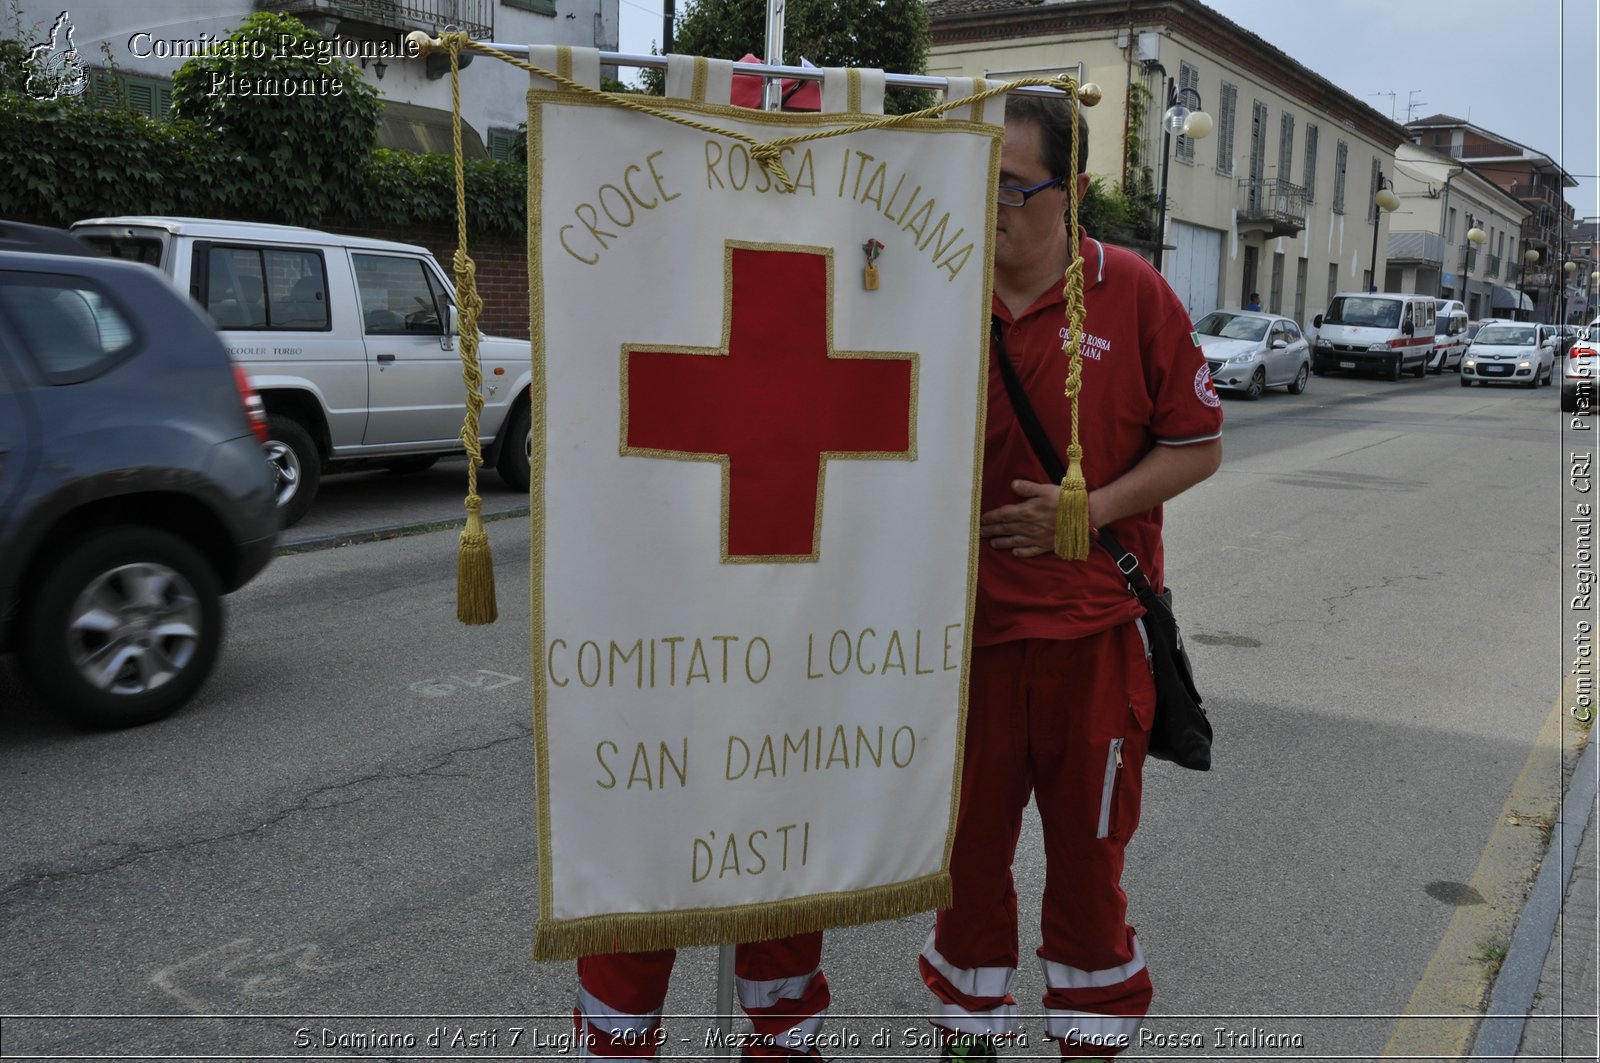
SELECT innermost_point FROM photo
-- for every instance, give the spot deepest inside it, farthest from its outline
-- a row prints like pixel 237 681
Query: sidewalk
pixel 1562 1024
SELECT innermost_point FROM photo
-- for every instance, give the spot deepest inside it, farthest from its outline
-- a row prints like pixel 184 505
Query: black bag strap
pixel 1042 447
pixel 1126 562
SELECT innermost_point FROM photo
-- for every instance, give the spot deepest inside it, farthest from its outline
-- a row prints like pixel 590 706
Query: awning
pixel 412 127
pixel 1510 299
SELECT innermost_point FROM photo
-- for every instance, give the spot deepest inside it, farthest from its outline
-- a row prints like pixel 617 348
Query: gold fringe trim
pixel 646 931
pixel 1072 508
pixel 475 601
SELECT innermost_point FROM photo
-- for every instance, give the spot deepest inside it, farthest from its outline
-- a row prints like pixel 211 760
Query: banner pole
pixel 772 88
pixel 928 82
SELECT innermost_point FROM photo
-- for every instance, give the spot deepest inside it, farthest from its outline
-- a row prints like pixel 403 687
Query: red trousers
pixel 780 985
pixel 1069 723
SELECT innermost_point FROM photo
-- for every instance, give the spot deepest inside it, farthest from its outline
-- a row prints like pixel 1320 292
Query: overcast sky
pixel 1526 69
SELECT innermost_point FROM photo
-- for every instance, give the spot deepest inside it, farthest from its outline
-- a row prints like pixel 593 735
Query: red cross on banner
pixel 773 404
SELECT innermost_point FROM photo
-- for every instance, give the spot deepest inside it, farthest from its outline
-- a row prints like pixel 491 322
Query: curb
pixel 1501 1031
pixel 391 531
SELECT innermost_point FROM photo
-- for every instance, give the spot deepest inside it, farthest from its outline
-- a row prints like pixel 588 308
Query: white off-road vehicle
pixel 350 342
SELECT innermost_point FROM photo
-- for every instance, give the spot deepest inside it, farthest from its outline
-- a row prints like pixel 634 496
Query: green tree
pixel 890 35
pixel 297 121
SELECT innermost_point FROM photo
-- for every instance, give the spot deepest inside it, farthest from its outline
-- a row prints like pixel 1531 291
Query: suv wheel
pixel 296 467
pixel 516 452
pixel 1397 367
pixel 1298 384
pixel 124 627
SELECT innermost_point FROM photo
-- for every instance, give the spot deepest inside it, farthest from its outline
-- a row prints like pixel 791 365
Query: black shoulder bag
pixel 1181 732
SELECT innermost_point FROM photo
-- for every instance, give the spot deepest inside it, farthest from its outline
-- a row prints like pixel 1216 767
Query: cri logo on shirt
pixel 1203 389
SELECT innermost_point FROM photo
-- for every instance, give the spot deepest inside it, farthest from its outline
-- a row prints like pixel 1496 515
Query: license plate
pixel 1347 365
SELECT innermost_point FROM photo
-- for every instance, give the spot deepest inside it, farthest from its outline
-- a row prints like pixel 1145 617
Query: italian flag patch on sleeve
pixel 1194 338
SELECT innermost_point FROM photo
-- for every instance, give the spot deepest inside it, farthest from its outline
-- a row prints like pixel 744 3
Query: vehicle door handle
pixel 385 359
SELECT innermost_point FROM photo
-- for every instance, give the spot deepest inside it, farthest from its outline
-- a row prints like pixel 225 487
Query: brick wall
pixel 502 270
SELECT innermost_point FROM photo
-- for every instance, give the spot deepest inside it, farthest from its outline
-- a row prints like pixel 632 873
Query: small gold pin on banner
pixel 869 276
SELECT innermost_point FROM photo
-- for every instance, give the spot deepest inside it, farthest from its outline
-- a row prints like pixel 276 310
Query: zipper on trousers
pixel 1108 788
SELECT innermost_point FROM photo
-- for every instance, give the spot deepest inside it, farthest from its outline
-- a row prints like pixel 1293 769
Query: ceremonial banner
pixel 757 420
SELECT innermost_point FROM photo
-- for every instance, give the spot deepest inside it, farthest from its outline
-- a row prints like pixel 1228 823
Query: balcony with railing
pixel 1494 267
pixel 370 18
pixel 1413 245
pixel 1271 206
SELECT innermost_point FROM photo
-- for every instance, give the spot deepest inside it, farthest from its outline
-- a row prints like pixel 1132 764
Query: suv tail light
pixel 1580 350
pixel 255 410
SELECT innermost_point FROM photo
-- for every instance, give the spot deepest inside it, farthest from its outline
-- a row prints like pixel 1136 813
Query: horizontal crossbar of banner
pixel 763 70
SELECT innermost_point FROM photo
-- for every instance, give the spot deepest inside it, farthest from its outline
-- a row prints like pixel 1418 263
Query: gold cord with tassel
pixel 1072 508
pixel 475 601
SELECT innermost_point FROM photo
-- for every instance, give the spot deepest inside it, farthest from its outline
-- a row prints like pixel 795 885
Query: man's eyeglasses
pixel 1012 196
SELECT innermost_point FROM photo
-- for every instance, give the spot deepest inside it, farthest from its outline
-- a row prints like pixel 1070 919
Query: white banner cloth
pixel 755 513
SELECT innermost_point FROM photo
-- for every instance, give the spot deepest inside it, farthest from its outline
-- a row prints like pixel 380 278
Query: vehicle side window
pixel 67 325
pixel 1291 332
pixel 266 288
pixel 398 297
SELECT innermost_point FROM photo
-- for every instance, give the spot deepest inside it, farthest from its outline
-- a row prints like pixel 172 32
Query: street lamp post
pixel 1383 200
pixel 1568 267
pixel 1475 235
pixel 1529 257
pixel 1178 118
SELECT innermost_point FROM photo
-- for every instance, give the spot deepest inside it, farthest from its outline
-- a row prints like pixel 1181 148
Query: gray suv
pixel 132 490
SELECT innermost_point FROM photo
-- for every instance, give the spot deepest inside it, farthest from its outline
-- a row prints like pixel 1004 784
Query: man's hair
pixel 1053 115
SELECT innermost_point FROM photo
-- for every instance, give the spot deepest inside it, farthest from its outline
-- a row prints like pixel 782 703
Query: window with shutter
pixel 1286 149
pixel 1226 112
pixel 1341 159
pixel 1309 177
pixel 1188 78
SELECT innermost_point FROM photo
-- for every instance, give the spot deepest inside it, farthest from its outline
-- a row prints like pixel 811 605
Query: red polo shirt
pixel 1145 384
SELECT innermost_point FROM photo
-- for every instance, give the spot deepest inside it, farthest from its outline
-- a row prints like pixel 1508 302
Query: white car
pixel 1510 352
pixel 1250 351
pixel 1583 360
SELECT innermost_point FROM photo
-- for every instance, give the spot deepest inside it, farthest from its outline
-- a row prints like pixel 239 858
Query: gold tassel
pixel 1072 511
pixel 475 602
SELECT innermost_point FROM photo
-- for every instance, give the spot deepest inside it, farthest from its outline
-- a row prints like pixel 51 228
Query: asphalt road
pixel 337 834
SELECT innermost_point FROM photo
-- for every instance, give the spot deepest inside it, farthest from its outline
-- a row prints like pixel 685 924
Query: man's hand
pixel 1026 528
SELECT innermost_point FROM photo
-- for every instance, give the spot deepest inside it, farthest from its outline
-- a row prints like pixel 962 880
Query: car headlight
pixel 1378 347
pixel 1524 364
pixel 1248 356
pixel 1323 344
pixel 1470 363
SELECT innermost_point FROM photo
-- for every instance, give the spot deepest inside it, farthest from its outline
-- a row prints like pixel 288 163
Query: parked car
pixel 1449 335
pixel 1510 352
pixel 132 491
pixel 1250 351
pixel 1578 376
pixel 1385 332
pixel 350 342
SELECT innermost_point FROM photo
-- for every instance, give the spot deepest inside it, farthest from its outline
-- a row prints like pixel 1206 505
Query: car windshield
pixel 1232 326
pixel 1506 335
pixel 1356 310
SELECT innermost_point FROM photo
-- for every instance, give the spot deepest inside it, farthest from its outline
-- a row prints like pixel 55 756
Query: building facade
pixel 1277 200
pixel 1528 176
pixel 1429 253
pixel 139 46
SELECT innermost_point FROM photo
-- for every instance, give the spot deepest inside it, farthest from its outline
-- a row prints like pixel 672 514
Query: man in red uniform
pixel 780 985
pixel 1061 696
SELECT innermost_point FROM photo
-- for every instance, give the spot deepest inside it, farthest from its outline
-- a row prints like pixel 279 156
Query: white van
pixel 1449 335
pixel 350 342
pixel 1383 332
